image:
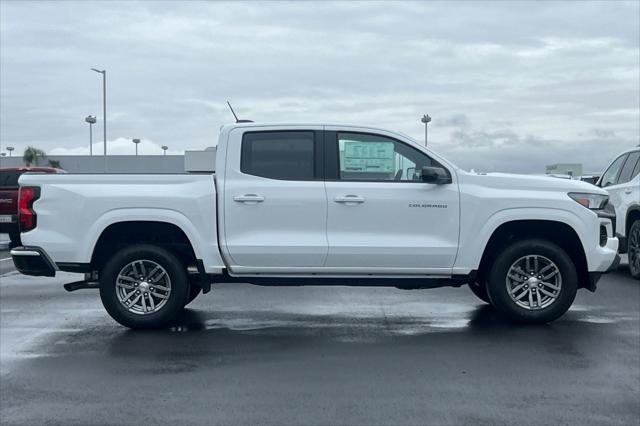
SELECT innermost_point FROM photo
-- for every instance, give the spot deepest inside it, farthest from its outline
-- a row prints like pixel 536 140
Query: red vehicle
pixel 9 198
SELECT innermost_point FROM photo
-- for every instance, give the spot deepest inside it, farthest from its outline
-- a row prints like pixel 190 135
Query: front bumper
pixel 33 261
pixel 602 257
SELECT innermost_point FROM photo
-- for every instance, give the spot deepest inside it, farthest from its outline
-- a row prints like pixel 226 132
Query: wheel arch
pixel 160 233
pixel 557 232
pixel 202 238
pixel 633 214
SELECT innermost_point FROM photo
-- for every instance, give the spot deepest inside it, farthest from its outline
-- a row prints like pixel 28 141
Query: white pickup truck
pixel 317 205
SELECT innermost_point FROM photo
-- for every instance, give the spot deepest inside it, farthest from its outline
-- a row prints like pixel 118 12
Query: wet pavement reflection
pixel 311 355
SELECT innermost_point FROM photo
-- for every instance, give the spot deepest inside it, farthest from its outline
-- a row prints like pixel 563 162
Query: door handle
pixel 248 198
pixel 628 191
pixel 349 199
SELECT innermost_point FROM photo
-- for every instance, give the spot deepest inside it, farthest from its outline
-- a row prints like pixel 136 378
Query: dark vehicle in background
pixel 592 179
pixel 9 198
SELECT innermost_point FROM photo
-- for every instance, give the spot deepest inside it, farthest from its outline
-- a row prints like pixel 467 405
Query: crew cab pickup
pixel 317 205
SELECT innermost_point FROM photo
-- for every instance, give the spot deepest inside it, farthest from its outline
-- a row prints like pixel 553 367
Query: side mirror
pixel 436 175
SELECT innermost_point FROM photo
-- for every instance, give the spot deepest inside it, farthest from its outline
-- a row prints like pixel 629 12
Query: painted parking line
pixel 7 258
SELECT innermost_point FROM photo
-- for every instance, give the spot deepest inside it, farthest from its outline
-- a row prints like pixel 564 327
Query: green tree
pixel 55 164
pixel 31 155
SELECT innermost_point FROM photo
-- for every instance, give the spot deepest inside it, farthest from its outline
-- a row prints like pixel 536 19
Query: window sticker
pixel 367 157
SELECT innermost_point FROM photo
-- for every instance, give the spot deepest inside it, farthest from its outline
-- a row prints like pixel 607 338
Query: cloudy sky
pixel 510 86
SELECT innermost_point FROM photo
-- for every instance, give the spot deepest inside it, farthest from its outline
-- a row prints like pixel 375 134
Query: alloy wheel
pixel 534 282
pixel 143 287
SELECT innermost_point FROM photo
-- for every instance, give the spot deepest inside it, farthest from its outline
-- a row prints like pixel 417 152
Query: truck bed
pixel 77 207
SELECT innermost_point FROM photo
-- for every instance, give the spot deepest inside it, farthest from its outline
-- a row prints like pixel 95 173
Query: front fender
pixel 473 242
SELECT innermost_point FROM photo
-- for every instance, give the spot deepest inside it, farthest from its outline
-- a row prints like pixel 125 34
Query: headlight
pixel 590 201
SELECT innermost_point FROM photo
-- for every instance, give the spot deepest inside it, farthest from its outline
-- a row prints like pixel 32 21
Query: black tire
pixel 194 291
pixel 480 290
pixel 175 271
pixel 633 249
pixel 497 282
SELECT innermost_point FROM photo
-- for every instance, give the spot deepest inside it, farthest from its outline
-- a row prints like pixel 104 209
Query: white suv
pixel 622 181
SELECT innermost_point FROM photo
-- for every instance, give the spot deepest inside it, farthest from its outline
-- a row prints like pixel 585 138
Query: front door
pixel 275 204
pixel 381 216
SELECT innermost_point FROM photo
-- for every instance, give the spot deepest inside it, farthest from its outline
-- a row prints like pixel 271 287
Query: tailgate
pixel 8 201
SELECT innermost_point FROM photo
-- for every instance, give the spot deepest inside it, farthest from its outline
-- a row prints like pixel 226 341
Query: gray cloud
pixel 510 85
pixel 456 120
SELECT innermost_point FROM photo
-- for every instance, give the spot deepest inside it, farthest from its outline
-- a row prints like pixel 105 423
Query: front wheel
pixel 633 249
pixel 143 286
pixel 533 281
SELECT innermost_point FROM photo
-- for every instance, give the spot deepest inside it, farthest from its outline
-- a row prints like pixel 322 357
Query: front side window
pixel 636 171
pixel 378 158
pixel 610 177
pixel 278 155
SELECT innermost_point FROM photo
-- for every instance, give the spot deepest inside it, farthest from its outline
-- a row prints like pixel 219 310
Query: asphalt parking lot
pixel 310 355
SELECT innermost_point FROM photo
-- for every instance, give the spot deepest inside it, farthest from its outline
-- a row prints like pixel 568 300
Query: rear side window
pixel 278 155
pixel 627 171
pixel 9 178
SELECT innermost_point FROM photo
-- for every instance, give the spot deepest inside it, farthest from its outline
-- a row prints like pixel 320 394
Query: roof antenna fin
pixel 236 117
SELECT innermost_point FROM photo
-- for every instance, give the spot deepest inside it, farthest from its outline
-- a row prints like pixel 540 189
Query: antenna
pixel 232 111
pixel 236 117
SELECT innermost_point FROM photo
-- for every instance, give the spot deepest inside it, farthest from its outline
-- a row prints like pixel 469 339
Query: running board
pixel 78 285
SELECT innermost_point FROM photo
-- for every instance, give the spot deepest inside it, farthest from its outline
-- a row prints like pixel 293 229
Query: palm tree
pixel 55 164
pixel 31 155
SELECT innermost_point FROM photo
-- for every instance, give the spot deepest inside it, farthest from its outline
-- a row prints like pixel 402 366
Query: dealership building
pixel 191 161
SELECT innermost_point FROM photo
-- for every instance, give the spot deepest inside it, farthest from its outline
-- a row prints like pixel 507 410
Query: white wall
pixel 115 163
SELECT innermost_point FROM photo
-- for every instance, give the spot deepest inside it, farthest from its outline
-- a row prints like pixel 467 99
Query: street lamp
pixel 104 112
pixel 136 142
pixel 164 150
pixel 91 120
pixel 425 119
pixel 10 148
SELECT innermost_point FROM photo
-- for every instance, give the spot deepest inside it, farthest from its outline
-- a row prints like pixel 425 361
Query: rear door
pixel 382 217
pixel 275 204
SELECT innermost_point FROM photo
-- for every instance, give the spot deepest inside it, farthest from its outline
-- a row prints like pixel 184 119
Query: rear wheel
pixel 143 286
pixel 533 281
pixel 633 249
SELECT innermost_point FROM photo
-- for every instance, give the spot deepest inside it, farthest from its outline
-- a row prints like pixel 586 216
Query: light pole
pixel 10 148
pixel 136 142
pixel 425 119
pixel 91 120
pixel 164 150
pixel 104 112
